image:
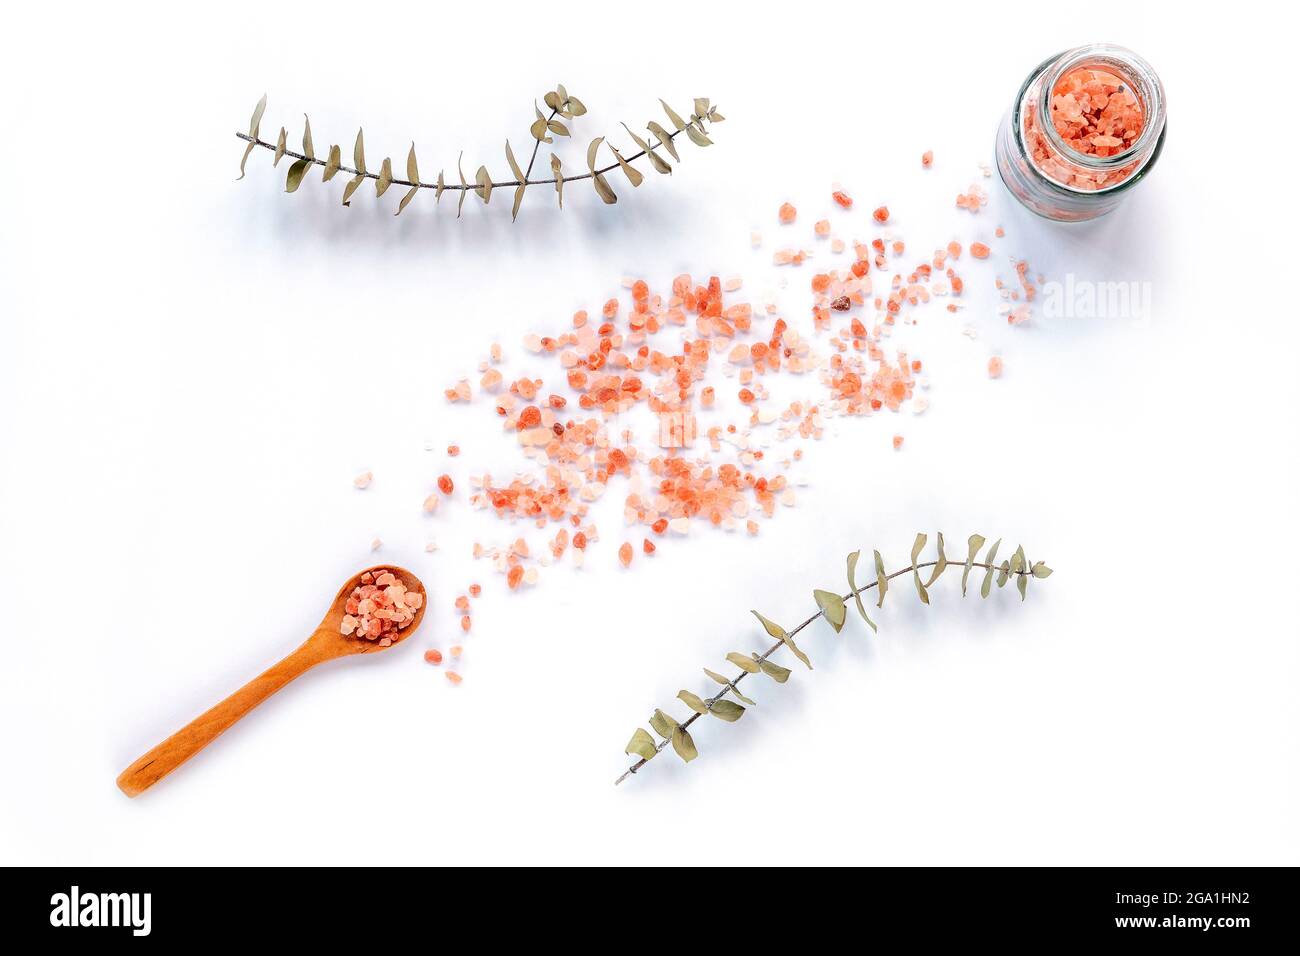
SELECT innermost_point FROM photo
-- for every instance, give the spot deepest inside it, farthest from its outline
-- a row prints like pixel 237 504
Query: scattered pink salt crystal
pixel 453 677
pixel 927 159
pixel 786 214
pixel 362 480
pixel 995 367
pixel 822 228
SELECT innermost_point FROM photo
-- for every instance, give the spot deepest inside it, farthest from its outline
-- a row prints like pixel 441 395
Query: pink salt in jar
pixel 1086 127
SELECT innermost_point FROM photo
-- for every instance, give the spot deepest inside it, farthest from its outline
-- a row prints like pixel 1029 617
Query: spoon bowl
pixel 326 643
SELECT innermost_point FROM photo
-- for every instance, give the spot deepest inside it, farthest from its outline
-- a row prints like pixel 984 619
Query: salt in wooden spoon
pixel 326 643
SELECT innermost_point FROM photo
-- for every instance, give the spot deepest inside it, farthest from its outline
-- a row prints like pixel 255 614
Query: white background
pixel 193 369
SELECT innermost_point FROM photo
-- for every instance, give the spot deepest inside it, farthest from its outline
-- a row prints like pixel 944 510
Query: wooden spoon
pixel 326 643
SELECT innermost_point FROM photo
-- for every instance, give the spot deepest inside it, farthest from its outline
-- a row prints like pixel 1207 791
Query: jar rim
pixel 1130 66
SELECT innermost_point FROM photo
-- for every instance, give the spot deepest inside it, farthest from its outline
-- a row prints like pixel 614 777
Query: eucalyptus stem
pixel 710 701
pixel 449 187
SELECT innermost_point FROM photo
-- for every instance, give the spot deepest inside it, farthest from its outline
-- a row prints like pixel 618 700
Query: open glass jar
pixel 1086 127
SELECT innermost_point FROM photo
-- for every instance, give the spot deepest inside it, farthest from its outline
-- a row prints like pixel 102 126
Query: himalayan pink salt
pixel 881 214
pixel 979 250
pixel 431 504
pixel 647 546
pixel 843 199
pixel 1095 113
pixel 786 214
pixel 475 590
pixel 362 480
pixel 995 367
pixel 445 484
pixel 625 554
pixel 454 678
pixel 378 607
pixel 433 656
pixel 822 228
pixel 453 450
pixel 465 622
pixel 898 442
pixel 927 159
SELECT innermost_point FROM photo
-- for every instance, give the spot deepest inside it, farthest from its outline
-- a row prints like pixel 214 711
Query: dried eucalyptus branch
pixel 561 103
pixel 834 608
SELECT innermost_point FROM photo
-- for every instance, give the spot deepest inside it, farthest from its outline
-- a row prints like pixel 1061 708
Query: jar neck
pixel 1131 70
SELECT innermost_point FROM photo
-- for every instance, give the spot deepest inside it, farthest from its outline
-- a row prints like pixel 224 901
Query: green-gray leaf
pixel 410 194
pixel 412 167
pixel 853 586
pixel 281 145
pixel 514 165
pixel 973 544
pixel 988 575
pixel 715 676
pixel 308 149
pixel 351 187
pixel 741 697
pixel 775 671
pixel 359 153
pixel 684 745
pixel 255 124
pixel 941 565
pixel 726 710
pixel 772 628
pixel 698 138
pixel 882 579
pixel 484 187
pixel 296 172
pixel 332 164
pixel 692 701
pixel 662 724
pixel 665 140
pixel 660 166
pixel 832 607
pixel 746 664
pixel 603 189
pixel 641 744
pixel 385 177
pixel 1041 570
pixel 677 121
pixel 633 175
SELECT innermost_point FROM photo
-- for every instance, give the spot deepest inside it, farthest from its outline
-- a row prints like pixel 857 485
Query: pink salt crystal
pixel 376 545
pixel 1019 314
pixel 822 228
pixel 898 442
pixel 927 159
pixel 431 504
pixel 995 367
pixel 786 214
pixel 453 677
pixel 433 656
pixel 362 480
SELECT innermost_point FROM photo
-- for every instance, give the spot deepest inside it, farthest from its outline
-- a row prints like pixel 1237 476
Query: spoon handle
pixel 202 730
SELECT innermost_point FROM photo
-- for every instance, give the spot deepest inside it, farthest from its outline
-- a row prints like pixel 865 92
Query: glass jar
pixel 1050 174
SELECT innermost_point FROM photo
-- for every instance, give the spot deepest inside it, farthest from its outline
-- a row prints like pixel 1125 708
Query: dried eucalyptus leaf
pixel 359 153
pixel 519 199
pixel 718 678
pixel 538 129
pixel 351 187
pixel 773 629
pixel 244 160
pixel 1041 570
pixel 514 165
pixel 410 194
pixel 917 546
pixel 641 744
pixel 832 607
pixel 439 188
pixel 1004 572
pixel 484 187
pixel 746 664
pixel 662 724
pixel 656 161
pixel 559 179
pixel 701 106
pixel 591 152
pixel 558 128
pixel 1022 582
pixel 385 177
pixel 665 140
pixel 633 175
pixel 677 121
pixel 692 701
pixel 973 545
pixel 794 649
pixel 853 586
pixel 281 145
pixel 775 671
pixel 332 164
pixel 255 124
pixel 683 744
pixel 882 579
pixel 741 697
pixel 296 172
pixel 575 106
pixel 308 149
pixel 412 167
pixel 603 190
pixel 942 564
pixel 464 186
pixel 698 138
pixel 1018 560
pixel 988 575
pixel 726 710
pixel 715 116
pixel 552 99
